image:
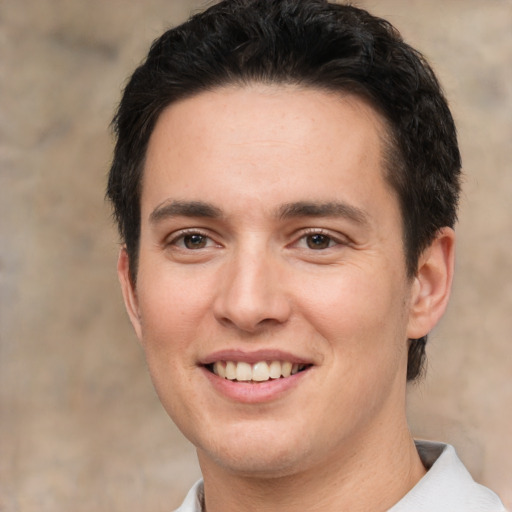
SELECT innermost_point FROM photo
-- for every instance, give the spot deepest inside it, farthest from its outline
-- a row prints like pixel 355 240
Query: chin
pixel 257 453
pixel 256 463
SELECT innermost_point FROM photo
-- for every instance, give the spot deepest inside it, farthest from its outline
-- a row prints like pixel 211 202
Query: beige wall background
pixel 80 426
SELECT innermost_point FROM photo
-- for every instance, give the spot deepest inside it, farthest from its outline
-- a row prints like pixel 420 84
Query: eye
pixel 192 241
pixel 319 241
pixel 195 241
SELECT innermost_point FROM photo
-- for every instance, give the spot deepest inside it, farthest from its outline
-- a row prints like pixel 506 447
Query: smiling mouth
pixel 261 371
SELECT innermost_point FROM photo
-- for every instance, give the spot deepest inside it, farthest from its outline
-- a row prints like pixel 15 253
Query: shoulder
pixel 447 486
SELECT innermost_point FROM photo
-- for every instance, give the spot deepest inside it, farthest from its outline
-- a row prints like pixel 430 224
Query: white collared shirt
pixel 446 487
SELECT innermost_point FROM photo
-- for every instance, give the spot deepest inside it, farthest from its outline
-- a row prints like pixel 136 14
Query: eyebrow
pixel 329 209
pixel 184 209
pixel 175 208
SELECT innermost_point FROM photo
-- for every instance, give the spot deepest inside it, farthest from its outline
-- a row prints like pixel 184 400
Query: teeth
pixel 275 370
pixel 243 371
pixel 230 370
pixel 258 372
pixel 219 369
pixel 286 369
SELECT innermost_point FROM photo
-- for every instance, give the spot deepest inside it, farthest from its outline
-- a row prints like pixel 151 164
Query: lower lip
pixel 254 393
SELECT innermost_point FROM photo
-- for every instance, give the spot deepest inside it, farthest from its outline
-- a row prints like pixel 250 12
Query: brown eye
pixel 318 241
pixel 195 241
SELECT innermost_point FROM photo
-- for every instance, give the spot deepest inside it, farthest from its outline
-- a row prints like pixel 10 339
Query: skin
pixel 245 273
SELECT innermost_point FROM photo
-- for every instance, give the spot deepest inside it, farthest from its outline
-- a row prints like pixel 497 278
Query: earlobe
pixel 128 290
pixel 432 284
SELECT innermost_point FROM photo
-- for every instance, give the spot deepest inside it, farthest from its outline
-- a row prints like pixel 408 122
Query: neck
pixel 372 477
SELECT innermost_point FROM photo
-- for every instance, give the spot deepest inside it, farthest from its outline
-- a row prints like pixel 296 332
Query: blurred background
pixel 80 426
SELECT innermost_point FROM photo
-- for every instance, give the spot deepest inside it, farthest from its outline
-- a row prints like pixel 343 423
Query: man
pixel 285 181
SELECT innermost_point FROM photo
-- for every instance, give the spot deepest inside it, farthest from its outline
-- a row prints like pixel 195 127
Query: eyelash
pixel 331 240
pixel 336 240
pixel 181 236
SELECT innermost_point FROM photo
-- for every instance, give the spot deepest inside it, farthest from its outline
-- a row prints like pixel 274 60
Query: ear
pixel 432 284
pixel 129 291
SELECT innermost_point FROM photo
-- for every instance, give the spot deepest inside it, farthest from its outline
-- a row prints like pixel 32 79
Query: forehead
pixel 258 138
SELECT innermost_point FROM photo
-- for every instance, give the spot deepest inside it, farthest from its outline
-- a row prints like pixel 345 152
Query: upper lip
pixel 253 357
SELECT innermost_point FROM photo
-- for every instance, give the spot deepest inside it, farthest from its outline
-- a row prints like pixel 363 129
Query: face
pixel 272 299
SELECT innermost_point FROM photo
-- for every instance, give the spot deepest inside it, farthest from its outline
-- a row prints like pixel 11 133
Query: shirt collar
pixel 446 487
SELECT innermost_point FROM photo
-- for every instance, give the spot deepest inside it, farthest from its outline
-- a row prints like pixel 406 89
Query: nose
pixel 252 296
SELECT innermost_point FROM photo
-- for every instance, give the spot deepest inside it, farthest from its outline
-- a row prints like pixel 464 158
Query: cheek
pixel 171 310
pixel 363 326
pixel 172 320
pixel 360 314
